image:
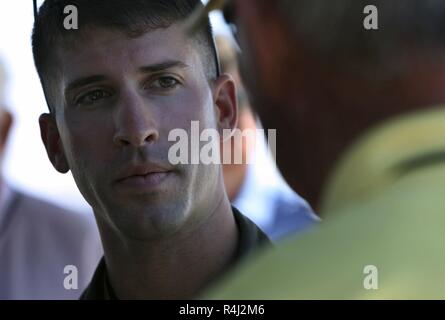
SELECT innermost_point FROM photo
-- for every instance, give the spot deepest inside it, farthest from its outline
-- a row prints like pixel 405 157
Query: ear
pixel 224 97
pixel 53 144
pixel 6 121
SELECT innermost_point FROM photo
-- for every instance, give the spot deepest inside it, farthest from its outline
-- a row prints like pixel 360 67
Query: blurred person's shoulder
pixel 389 218
pixel 43 212
pixel 398 148
pixel 47 227
pixel 38 241
pixel 396 236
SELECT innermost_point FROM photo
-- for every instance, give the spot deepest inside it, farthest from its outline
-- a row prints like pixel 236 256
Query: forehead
pixel 111 52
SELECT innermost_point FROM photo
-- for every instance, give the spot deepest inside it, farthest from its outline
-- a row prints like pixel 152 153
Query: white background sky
pixel 26 165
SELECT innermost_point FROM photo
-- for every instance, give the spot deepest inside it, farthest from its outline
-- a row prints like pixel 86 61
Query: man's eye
pixel 92 97
pixel 164 83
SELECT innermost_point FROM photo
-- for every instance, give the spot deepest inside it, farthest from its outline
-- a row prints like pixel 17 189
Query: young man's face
pixel 120 98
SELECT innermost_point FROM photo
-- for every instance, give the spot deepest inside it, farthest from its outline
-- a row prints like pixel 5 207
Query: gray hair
pixel 334 28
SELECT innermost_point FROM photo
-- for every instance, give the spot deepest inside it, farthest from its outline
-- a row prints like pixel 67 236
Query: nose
pixel 135 121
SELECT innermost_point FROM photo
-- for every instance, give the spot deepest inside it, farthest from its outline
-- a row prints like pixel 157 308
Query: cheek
pixel 89 160
pixel 189 105
pixel 87 143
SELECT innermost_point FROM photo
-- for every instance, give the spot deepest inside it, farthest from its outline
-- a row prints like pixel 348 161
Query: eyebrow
pixel 83 82
pixel 163 66
pixel 158 67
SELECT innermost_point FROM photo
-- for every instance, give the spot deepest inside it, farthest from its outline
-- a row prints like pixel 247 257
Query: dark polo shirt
pixel 250 238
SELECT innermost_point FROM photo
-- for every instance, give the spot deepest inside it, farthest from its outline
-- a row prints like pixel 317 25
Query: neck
pixel 179 267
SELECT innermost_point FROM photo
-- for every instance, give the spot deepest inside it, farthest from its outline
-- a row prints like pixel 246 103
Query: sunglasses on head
pixel 198 17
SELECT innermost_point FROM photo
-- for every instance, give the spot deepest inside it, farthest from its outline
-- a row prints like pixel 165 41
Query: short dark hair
pixel 134 18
